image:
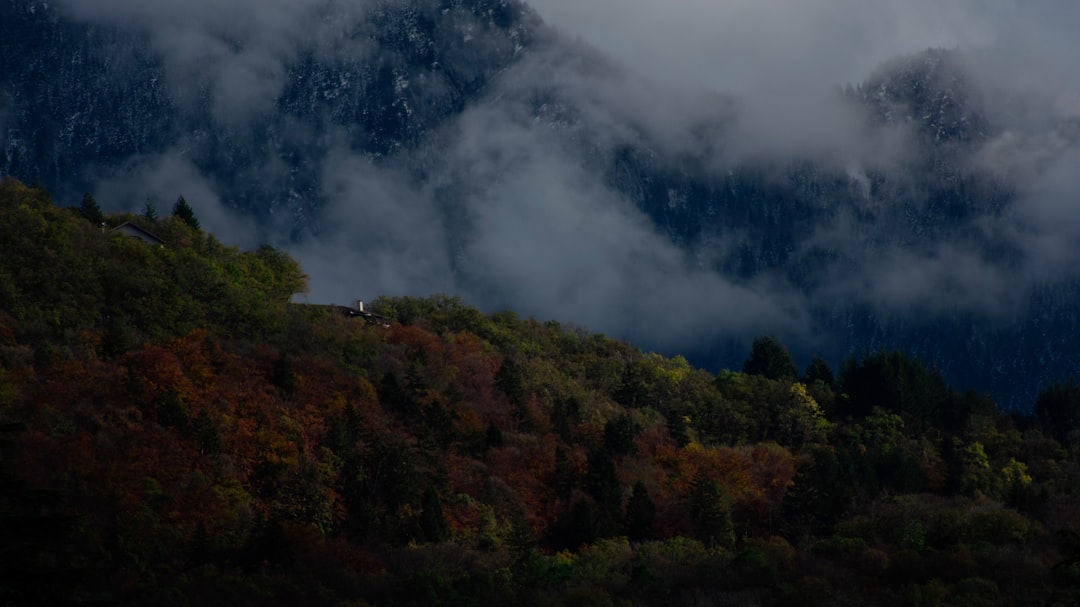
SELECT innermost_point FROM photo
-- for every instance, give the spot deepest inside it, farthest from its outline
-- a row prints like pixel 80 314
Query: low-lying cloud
pixel 794 45
pixel 381 236
pixel 541 234
pixel 515 206
pixel 159 180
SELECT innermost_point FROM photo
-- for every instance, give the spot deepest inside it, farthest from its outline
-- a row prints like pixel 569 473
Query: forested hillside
pixel 174 431
pixel 468 147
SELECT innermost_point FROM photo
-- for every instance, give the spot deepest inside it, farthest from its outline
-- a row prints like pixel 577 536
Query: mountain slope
pixel 98 94
pixel 422 146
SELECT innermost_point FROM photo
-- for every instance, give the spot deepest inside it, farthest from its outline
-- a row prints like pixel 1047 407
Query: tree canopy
pixel 770 359
pixel 184 211
pixel 174 431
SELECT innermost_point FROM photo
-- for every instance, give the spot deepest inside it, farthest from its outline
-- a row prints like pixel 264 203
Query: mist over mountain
pixel 846 178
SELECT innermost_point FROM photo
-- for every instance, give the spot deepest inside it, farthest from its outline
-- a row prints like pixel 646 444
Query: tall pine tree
pixel 432 521
pixel 769 358
pixel 184 211
pixel 640 514
pixel 149 212
pixel 90 210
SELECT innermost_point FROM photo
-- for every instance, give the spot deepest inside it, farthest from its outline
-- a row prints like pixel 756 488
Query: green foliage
pixel 509 380
pixel 602 484
pixel 819 495
pixel 149 211
pixel 770 359
pixel 439 313
pixel 896 383
pixel 711 512
pixel 619 435
pixel 187 435
pixel 90 211
pixel 184 211
pixel 763 409
pixel 1057 411
pixel 818 371
pixel 59 276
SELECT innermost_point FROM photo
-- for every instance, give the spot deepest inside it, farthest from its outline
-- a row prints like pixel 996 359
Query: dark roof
pixel 130 229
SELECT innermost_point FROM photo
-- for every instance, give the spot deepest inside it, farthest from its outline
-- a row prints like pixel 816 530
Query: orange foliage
pixel 192 353
pixel 475 370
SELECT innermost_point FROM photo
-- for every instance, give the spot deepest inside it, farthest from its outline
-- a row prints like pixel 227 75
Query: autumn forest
pixel 176 430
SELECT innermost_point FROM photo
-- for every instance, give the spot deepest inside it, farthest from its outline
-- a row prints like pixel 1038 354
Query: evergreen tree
pixel 640 513
pixel 578 527
pixel 897 383
pixel 1058 410
pixel 432 522
pixel 90 210
pixel 602 483
pixel 677 427
pixel 509 379
pixel 206 434
pixel 564 479
pixel 818 370
pixel 283 376
pixel 711 513
pixel 769 358
pixel 149 212
pixel 619 435
pixel 493 437
pixel 184 211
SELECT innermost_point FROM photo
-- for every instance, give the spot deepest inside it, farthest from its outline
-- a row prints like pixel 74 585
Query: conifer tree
pixel 90 210
pixel 711 514
pixel 818 370
pixel 563 477
pixel 493 437
pixel 149 212
pixel 602 483
pixel 432 521
pixel 640 513
pixel 769 358
pixel 184 211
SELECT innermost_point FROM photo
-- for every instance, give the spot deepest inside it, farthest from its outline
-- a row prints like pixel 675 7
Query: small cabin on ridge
pixel 370 317
pixel 129 229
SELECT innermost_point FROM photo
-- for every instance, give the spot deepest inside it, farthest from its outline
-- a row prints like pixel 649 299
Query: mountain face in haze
pixel 87 97
pixel 462 146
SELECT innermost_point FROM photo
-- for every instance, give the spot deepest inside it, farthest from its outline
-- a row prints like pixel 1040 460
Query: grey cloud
pixel 161 179
pixel 946 278
pixel 784 50
pixel 531 222
pixel 783 60
pixel 380 236
pixel 537 230
pixel 1048 226
pixel 548 237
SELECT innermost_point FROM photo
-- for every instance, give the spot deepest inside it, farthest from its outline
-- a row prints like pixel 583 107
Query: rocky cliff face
pixel 460 145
